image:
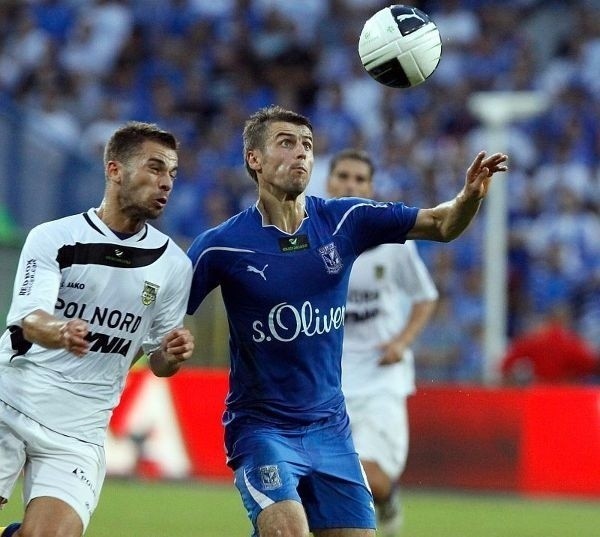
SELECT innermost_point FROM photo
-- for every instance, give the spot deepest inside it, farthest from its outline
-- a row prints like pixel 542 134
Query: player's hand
pixel 392 353
pixel 73 336
pixel 178 346
pixel 480 172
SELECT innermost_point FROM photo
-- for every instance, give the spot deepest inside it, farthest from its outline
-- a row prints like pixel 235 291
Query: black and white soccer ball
pixel 400 46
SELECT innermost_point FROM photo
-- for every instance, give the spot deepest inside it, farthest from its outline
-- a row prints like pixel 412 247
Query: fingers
pixel 73 335
pixel 475 166
pixel 179 343
pixel 484 167
pixel 495 163
pixel 391 353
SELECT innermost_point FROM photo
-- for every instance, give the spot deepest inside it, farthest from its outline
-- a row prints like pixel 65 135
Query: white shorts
pixel 379 426
pixel 53 464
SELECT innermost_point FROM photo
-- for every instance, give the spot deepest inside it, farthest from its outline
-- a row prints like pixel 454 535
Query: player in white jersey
pixel 391 296
pixel 283 266
pixel 93 292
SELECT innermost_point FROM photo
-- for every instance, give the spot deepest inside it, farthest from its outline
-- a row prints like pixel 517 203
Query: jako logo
pixel 286 322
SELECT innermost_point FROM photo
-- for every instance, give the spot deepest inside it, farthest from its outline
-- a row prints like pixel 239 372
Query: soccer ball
pixel 400 46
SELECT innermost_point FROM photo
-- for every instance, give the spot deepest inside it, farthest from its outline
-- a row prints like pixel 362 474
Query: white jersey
pixel 384 283
pixel 131 292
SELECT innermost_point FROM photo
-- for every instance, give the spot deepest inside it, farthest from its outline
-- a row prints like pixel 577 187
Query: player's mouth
pixel 161 202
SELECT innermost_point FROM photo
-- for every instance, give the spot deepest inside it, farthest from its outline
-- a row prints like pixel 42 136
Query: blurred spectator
pixel 55 17
pixel 23 51
pixel 551 351
pixel 97 133
pixel 69 68
pixel 97 37
pixel 52 121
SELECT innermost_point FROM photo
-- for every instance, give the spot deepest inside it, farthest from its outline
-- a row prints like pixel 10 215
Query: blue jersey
pixel 285 296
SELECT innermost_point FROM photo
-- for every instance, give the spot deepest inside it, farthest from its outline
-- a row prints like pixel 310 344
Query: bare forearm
pixel 447 221
pixel 48 331
pixel 393 351
pixel 457 214
pixel 420 314
pixel 43 329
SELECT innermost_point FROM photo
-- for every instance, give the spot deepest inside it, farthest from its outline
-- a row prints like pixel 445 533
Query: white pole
pixel 497 110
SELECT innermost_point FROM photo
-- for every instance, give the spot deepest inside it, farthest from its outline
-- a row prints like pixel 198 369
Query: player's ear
pixel 113 171
pixel 253 158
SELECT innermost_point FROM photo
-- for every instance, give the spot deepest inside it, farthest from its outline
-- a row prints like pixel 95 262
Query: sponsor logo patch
pixel 30 269
pixel 293 244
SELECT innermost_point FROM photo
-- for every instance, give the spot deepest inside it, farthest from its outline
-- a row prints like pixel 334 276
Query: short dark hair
pixel 352 154
pixel 127 140
pixel 255 129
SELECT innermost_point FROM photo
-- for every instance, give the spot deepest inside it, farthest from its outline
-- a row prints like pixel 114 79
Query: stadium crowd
pixel 79 68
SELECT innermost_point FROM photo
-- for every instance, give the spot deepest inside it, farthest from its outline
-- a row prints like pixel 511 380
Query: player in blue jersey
pixel 391 297
pixel 283 267
pixel 92 293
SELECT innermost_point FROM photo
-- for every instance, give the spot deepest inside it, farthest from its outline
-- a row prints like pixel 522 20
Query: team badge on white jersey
pixel 149 293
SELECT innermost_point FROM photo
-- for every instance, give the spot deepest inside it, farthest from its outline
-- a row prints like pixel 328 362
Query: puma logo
pixel 250 268
pixel 414 15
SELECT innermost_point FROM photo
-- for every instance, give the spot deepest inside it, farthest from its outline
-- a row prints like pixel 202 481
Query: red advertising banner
pixel 561 441
pixel 536 440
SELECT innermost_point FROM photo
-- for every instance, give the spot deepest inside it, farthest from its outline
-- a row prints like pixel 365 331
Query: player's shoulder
pixel 173 251
pixel 58 230
pixel 344 205
pixel 232 233
pixel 332 207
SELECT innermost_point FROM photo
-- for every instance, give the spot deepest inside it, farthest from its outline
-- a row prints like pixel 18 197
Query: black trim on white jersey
pixel 91 223
pixel 107 254
pixel 144 234
pixel 18 342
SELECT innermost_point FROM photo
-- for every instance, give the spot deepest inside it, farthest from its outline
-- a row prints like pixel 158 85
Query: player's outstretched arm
pixel 447 221
pixel 44 329
pixel 177 347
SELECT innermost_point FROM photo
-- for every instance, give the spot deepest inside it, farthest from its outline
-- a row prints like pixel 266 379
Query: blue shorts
pixel 316 465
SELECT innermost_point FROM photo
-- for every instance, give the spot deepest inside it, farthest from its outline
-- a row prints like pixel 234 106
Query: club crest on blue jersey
pixel 269 477
pixel 331 258
pixel 149 293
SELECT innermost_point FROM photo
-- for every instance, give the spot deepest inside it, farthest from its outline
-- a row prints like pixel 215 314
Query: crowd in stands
pixel 200 67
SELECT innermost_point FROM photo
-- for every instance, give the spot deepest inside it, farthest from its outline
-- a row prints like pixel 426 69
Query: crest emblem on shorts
pixel 331 258
pixel 149 293
pixel 269 477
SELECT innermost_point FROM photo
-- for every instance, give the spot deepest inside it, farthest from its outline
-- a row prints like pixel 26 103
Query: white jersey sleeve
pixel 38 276
pixel 173 305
